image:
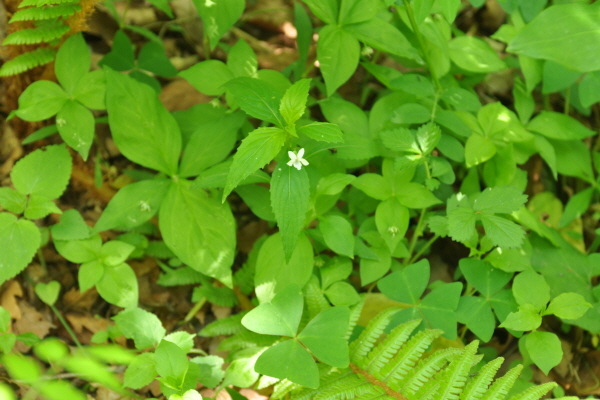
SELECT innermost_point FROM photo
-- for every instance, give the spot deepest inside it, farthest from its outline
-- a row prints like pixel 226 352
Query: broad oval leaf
pixel 257 98
pixel 208 77
pixel 41 100
pixel 337 232
pixel 338 52
pixel 76 126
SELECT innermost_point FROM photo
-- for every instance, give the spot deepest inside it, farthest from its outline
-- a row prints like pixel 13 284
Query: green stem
pixel 567 100
pixel 415 26
pixel 423 249
pixel 42 260
pixel 194 310
pixel 416 235
pixel 67 327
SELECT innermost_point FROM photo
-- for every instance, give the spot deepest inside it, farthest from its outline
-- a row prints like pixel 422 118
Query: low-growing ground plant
pixel 410 214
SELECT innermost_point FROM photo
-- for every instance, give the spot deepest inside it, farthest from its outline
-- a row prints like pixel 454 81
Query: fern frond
pixel 265 381
pixel 39 13
pixel 282 388
pixel 476 387
pixel 426 370
pixel 398 368
pixel 501 386
pixel 244 278
pixel 27 61
pixel 535 392
pixel 41 34
pixel 385 350
pixel 224 326
pixel 179 276
pixel 365 342
pixel 355 312
pixel 40 3
pixel 454 378
pixel 315 299
pixel 347 387
pixel 329 379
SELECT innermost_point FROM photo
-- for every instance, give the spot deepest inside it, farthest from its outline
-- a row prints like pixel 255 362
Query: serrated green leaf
pixel 293 101
pixel 289 360
pixel 211 370
pixel 280 316
pixel 12 200
pixel 256 150
pixel 502 232
pixel 21 240
pixel 290 194
pixel 40 207
pixel 199 230
pixel 325 336
pixel 257 98
pixel 568 306
pixel 143 327
pixel 31 174
pixel 461 223
pixel 428 136
pixel 499 200
pixel 140 372
pixel 545 349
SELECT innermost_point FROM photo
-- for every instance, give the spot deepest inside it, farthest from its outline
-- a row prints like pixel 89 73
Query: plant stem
pixel 415 26
pixel 423 249
pixel 67 327
pixel 567 100
pixel 194 310
pixel 415 236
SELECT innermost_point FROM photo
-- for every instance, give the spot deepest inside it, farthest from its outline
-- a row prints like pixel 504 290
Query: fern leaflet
pixel 27 61
pixel 41 34
pixel 37 14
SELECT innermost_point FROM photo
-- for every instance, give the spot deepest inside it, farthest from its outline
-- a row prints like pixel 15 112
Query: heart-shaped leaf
pixel 279 317
pixel 325 336
pixel 48 292
pixel 289 360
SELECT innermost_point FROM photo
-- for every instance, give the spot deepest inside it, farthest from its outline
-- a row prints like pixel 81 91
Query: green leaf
pixel 140 372
pixel 348 116
pixel 415 195
pixel 72 62
pixel 383 36
pixel 326 10
pixel 133 205
pixel 216 177
pixel 474 55
pixel 119 286
pixel 325 336
pixel 170 360
pixel 70 227
pixel 392 219
pixel 40 207
pixel 241 59
pixel 526 319
pixel 21 240
pixel 210 144
pixel 257 98
pixel 211 368
pixel 218 17
pixel 7 342
pixel 290 194
pixel 559 126
pixel 12 200
pixel 256 150
pixel 32 176
pixel 338 52
pixel 499 200
pixel 152 58
pixel 208 77
pixel 502 232
pixel 289 360
pixel 573 159
pixel 353 11
pixel 439 308
pixel 576 207
pixel 293 101
pixel 41 100
pixel 89 274
pixel 486 279
pixel 476 313
pixel 199 230
pixel 568 306
pixel 273 273
pixel 530 287
pixel 143 130
pixel 589 89
pixel 338 234
pixel 281 316
pixel 408 285
pixel 400 139
pixel 76 126
pixel 115 252
pixel 410 113
pixel 580 29
pixel 121 57
pixel 372 270
pixel 322 132
pixel 79 251
pixel 5 319
pixel 428 136
pixel 333 184
pixel 48 292
pixel 143 327
pixel 478 149
pixel 342 294
pixel 258 199
pixel 545 350
pixel 374 186
pixel 461 223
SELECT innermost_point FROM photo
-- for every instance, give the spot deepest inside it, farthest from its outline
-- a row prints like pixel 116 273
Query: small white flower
pixel 393 230
pixel 61 122
pixel 144 206
pixel 296 159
